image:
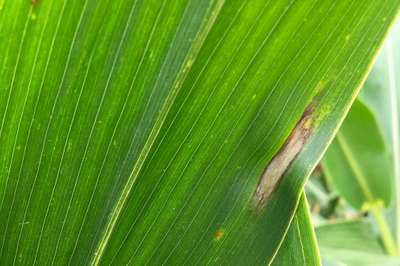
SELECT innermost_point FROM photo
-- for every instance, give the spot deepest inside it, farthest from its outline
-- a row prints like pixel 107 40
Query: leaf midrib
pixel 166 107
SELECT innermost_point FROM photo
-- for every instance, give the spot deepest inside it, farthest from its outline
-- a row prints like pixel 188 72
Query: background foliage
pixel 356 195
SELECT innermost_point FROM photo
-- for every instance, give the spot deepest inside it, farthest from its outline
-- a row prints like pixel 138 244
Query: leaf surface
pixel 300 245
pixel 136 132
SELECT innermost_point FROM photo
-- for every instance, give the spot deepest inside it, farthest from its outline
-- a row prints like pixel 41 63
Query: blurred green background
pixel 354 194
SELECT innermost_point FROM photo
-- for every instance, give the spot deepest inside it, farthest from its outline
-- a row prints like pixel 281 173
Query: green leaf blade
pixel 130 127
pixel 300 245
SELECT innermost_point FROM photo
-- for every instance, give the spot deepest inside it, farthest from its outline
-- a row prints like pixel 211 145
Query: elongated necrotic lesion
pixel 282 160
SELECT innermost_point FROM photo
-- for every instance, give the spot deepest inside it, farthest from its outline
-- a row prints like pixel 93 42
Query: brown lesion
pixel 275 170
pixel 218 234
pixel 34 2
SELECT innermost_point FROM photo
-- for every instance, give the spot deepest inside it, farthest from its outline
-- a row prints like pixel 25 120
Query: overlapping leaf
pixel 358 162
pixel 381 93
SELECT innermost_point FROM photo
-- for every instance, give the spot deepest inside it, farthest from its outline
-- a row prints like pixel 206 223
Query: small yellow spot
pixel 347 37
pixel 69 147
pixel 33 16
pixel 189 63
pixel 321 84
pixel 151 56
pixel 218 234
pixel 307 123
